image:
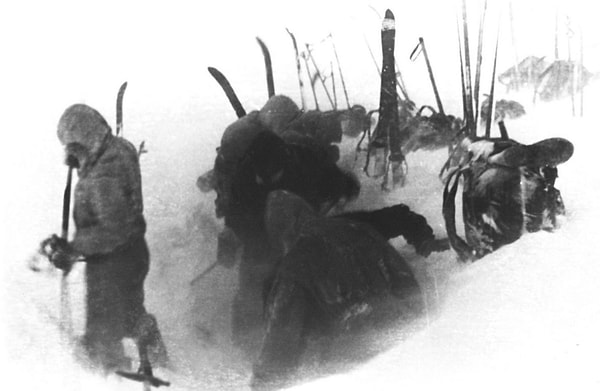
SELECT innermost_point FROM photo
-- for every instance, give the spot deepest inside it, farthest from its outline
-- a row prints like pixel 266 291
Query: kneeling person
pixel 335 275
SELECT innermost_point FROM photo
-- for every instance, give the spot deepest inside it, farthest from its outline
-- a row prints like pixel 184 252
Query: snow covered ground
pixel 525 317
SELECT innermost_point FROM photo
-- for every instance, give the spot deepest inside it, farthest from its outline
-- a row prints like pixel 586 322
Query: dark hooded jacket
pixel 335 275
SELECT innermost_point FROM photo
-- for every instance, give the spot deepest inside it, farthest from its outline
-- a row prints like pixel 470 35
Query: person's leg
pixel 104 330
pixel 138 323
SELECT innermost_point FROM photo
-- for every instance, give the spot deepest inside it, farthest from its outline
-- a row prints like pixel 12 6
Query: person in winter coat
pixel 272 164
pixel 109 237
pixel 335 275
pixel 253 159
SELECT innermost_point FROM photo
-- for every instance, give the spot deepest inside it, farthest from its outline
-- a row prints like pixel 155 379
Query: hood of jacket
pixel 85 126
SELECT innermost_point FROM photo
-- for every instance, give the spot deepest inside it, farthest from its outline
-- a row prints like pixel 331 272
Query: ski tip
pixel 122 88
pixel 389 21
pixel 260 41
pixel 389 14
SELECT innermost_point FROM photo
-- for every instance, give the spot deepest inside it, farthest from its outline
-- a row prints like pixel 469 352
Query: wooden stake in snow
pixel 312 86
pixel 321 79
pixel 337 59
pixel 298 68
pixel 572 65
pixel 335 103
pixel 479 59
pixel 556 36
pixel 492 108
pixel 581 81
pixel 514 44
pixel 413 56
pixel 471 126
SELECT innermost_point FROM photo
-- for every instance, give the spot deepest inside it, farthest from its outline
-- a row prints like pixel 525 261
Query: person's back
pixel 108 210
pixel 336 275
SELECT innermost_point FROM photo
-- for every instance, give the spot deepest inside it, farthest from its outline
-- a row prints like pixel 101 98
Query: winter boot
pixel 148 334
pixel 106 356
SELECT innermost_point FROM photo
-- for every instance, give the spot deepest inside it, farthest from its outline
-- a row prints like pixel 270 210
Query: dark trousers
pixel 115 302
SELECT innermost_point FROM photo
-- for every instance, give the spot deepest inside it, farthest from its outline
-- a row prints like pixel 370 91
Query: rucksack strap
pixel 464 251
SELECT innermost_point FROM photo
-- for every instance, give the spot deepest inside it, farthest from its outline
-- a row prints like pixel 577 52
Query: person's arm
pixel 113 218
pixel 399 220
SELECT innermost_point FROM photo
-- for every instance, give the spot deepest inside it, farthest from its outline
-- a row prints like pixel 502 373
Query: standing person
pixel 109 237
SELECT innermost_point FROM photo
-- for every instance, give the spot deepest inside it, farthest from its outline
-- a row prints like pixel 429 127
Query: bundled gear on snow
pixel 109 237
pixel 421 132
pixel 508 189
pixel 504 109
pixel 335 275
pixel 525 74
pixel 559 80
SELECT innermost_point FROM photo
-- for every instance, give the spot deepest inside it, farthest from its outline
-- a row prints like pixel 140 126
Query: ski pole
pixel 335 104
pixel 479 60
pixel 65 313
pixel 144 373
pixel 298 68
pixel 312 85
pixel 491 111
pixel 309 53
pixel 421 45
pixel 340 70
pixel 467 68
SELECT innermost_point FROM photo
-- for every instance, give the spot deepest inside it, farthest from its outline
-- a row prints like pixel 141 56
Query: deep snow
pixel 523 317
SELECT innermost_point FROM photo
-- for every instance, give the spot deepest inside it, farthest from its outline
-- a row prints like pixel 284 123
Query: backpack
pixel 508 189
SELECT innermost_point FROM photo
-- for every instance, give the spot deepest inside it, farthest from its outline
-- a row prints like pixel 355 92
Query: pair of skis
pixel 230 92
pixel 387 135
pixel 317 75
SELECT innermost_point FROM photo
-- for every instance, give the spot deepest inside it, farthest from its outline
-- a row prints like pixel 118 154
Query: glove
pixel 428 246
pixel 60 253
pixel 73 154
pixel 72 161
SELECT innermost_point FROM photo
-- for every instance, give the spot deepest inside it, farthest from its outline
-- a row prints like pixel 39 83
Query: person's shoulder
pixel 118 154
pixel 122 147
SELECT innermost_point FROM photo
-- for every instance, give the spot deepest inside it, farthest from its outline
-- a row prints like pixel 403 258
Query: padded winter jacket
pixel 108 204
